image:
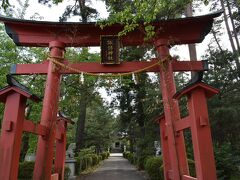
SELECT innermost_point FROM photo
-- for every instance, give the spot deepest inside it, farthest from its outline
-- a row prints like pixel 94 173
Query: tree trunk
pixel 191 47
pixel 83 10
pixel 230 37
pixel 79 138
pixel 81 121
pixel 132 139
pixel 227 26
pixel 140 94
pixel 216 39
pixel 233 26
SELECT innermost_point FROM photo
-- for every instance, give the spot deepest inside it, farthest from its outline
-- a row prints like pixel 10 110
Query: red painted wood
pixel 209 90
pixel 45 150
pixel 201 135
pixel 95 67
pixel 38 129
pixel 176 144
pixel 10 140
pixel 36 33
pixel 182 124
pixel 60 149
pixel 55 176
pixel 185 177
pixel 165 148
pixel 4 93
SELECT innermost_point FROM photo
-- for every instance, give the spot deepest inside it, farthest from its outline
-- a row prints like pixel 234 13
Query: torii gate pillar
pixel 45 149
pixel 176 144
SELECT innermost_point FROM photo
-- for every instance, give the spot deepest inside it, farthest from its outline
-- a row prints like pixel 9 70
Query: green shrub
pixel 77 166
pixel 132 157
pixel 141 161
pixel 191 165
pixel 26 170
pixel 86 161
pixel 100 158
pixel 89 160
pixel 86 151
pixel 129 156
pixel 81 165
pixel 227 163
pixel 67 173
pixel 154 168
pixel 125 154
pixel 95 159
pixel 104 155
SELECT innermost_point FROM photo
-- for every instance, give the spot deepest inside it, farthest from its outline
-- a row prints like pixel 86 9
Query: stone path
pixel 115 168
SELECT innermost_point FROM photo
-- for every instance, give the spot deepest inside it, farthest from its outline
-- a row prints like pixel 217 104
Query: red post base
pixel 60 148
pixel 165 148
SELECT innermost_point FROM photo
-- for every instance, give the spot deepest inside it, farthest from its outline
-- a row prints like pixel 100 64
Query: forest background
pixel 133 104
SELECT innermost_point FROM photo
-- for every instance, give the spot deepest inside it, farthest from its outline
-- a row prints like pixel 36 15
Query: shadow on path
pixel 114 168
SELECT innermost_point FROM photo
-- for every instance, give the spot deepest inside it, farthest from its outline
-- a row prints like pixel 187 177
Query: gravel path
pixel 115 168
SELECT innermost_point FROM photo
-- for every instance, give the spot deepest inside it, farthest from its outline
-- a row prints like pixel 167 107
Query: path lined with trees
pixel 114 168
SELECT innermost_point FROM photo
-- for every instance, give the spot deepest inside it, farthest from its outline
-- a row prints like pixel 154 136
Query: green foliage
pixel 227 163
pixel 142 11
pixel 100 157
pixel 5 4
pixel 104 155
pixel 95 159
pixel 86 151
pixel 154 168
pixel 87 158
pixel 141 161
pixel 191 165
pixel 67 172
pixel 131 157
pixel 83 163
pixel 146 145
pixel 224 112
pixel 25 171
pixel 99 125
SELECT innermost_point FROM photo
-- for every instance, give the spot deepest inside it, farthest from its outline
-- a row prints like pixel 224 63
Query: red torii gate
pixel 57 36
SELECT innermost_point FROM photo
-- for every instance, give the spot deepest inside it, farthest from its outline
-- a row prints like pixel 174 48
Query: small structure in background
pixel 116 147
pixel 30 157
pixel 70 161
pixel 157 147
pixel 118 143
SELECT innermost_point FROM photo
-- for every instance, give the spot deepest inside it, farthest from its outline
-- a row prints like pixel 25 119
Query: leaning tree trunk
pixel 230 37
pixel 216 40
pixel 83 10
pixel 227 26
pixel 233 27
